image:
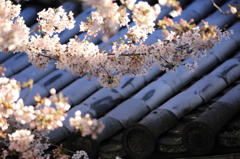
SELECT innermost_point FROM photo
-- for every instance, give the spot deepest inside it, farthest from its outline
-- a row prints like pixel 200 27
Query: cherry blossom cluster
pixel 139 33
pixel 55 20
pixel 108 10
pixel 9 93
pixel 58 153
pixel 106 19
pixel 81 58
pixel 167 25
pixel 94 25
pixel 24 129
pixel 86 125
pixel 109 15
pixel 39 49
pixel 9 10
pixel 20 140
pixel 79 155
pixel 132 59
pixel 13 32
pixel 143 13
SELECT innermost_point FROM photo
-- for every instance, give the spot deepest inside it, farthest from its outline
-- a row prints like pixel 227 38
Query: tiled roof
pixel 148 117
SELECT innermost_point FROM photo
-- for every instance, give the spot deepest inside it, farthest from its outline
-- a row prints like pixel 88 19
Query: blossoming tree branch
pixel 24 129
pixel 128 56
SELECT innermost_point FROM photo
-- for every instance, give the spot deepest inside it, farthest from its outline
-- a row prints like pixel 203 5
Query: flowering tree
pixel 23 129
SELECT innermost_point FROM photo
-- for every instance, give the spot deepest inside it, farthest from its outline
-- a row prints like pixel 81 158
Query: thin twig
pixel 104 68
pixel 35 28
pixel 181 46
pixel 52 58
pixel 220 10
pixel 164 59
pixel 127 54
pixel 62 148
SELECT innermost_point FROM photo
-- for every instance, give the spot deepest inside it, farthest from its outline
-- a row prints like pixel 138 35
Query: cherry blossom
pixel 13 32
pixel 20 140
pixel 175 13
pixel 144 14
pixel 9 93
pixel 55 20
pixel 24 129
pixel 3 124
pixel 23 114
pixel 86 125
pixel 233 10
pixel 79 155
pixel 162 2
